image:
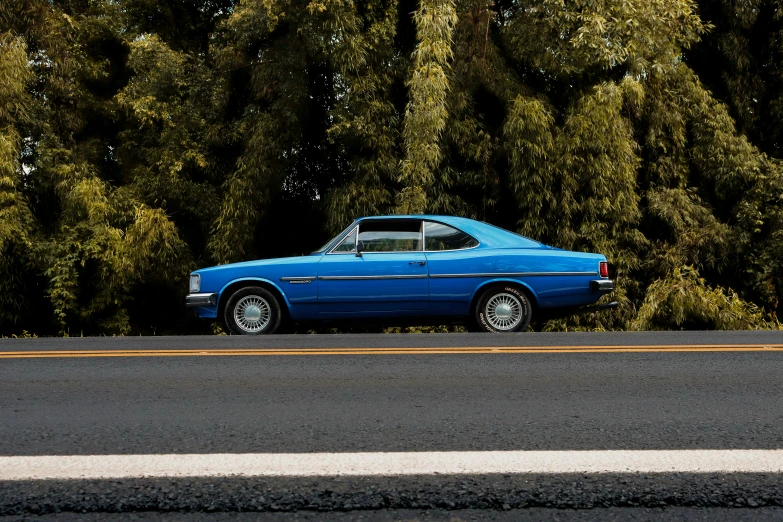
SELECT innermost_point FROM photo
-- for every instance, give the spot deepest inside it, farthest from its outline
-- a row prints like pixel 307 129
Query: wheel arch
pixel 524 287
pixel 231 287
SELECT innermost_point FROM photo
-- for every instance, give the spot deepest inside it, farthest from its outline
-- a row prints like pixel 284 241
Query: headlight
pixel 195 283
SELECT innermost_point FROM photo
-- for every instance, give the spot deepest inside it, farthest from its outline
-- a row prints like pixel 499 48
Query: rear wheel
pixel 503 309
pixel 252 311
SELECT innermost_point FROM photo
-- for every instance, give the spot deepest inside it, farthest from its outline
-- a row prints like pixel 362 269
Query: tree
pixel 140 139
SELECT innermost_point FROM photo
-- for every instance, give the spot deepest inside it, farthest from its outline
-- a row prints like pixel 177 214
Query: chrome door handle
pixel 420 263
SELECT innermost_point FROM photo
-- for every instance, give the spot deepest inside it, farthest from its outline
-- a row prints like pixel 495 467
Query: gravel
pixel 430 493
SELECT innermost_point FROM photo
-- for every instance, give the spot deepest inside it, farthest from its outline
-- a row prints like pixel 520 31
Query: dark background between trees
pixel 140 139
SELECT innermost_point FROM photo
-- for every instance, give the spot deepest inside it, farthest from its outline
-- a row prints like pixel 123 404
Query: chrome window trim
pixel 356 242
pixel 349 278
pixel 335 240
pixel 423 236
pixel 454 249
pixel 424 239
pixel 340 242
pixel 513 274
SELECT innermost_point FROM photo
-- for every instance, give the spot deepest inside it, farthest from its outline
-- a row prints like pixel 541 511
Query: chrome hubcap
pixel 503 311
pixel 252 313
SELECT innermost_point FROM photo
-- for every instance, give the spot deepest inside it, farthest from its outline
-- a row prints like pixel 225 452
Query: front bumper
pixel 201 299
pixel 602 285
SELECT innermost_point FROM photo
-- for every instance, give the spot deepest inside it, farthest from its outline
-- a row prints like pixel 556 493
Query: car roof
pixel 488 235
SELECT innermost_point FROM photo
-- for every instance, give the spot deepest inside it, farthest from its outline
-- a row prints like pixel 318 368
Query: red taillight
pixel 603 269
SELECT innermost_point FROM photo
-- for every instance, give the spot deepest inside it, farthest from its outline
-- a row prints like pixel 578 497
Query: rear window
pixel 438 236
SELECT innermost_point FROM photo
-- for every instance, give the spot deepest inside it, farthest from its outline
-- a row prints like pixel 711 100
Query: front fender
pixel 253 279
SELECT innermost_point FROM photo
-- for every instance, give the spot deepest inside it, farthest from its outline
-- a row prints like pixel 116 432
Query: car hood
pixel 277 261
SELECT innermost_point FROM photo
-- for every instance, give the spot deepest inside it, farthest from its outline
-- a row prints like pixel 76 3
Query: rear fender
pixel 479 289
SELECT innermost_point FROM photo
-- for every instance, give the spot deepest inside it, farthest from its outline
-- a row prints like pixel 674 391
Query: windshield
pixel 331 240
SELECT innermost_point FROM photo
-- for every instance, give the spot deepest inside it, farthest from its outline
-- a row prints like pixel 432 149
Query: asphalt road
pixel 381 402
pixel 395 340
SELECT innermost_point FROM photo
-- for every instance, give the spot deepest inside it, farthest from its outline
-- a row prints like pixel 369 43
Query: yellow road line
pixel 392 351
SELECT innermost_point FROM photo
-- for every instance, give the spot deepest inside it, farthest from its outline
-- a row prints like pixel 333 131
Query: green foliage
pixel 575 37
pixel 366 126
pixel 140 139
pixel 425 116
pixel 683 299
pixel 17 223
pixel 741 60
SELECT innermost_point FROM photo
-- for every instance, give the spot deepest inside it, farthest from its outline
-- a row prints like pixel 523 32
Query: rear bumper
pixel 201 299
pixel 602 285
pixel 554 313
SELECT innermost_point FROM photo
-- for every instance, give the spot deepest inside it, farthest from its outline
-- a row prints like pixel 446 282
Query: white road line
pixel 389 464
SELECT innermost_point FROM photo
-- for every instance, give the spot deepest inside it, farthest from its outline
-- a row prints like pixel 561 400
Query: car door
pixel 379 268
pixel 456 266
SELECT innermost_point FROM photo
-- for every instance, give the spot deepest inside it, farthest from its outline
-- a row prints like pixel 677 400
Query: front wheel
pixel 503 309
pixel 252 311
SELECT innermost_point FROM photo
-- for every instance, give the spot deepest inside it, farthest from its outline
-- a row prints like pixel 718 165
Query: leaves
pixel 683 299
pixel 425 116
pixel 140 139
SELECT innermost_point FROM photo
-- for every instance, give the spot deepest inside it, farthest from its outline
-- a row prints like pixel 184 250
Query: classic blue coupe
pixel 406 269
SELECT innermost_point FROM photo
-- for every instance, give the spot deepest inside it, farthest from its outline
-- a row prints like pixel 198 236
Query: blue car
pixel 405 270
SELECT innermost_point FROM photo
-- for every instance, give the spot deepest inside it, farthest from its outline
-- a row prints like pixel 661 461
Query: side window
pixel 348 244
pixel 443 237
pixel 394 235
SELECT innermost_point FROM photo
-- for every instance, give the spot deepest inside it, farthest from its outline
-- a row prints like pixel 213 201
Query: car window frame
pixel 336 240
pixel 424 237
pixel 343 238
pixel 349 231
pixel 358 225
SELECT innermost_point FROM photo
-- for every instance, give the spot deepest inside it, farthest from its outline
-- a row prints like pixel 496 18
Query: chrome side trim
pixel 514 274
pixel 364 253
pixel 303 278
pixel 349 278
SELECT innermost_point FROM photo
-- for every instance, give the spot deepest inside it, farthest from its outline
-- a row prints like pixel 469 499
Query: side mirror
pixel 359 248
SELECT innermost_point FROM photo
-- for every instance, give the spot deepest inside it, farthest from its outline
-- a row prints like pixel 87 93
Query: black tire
pixel 471 325
pixel 495 296
pixel 247 297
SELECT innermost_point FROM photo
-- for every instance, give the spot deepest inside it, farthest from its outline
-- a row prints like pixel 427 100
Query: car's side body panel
pixel 372 282
pixel 293 277
pixel 553 277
